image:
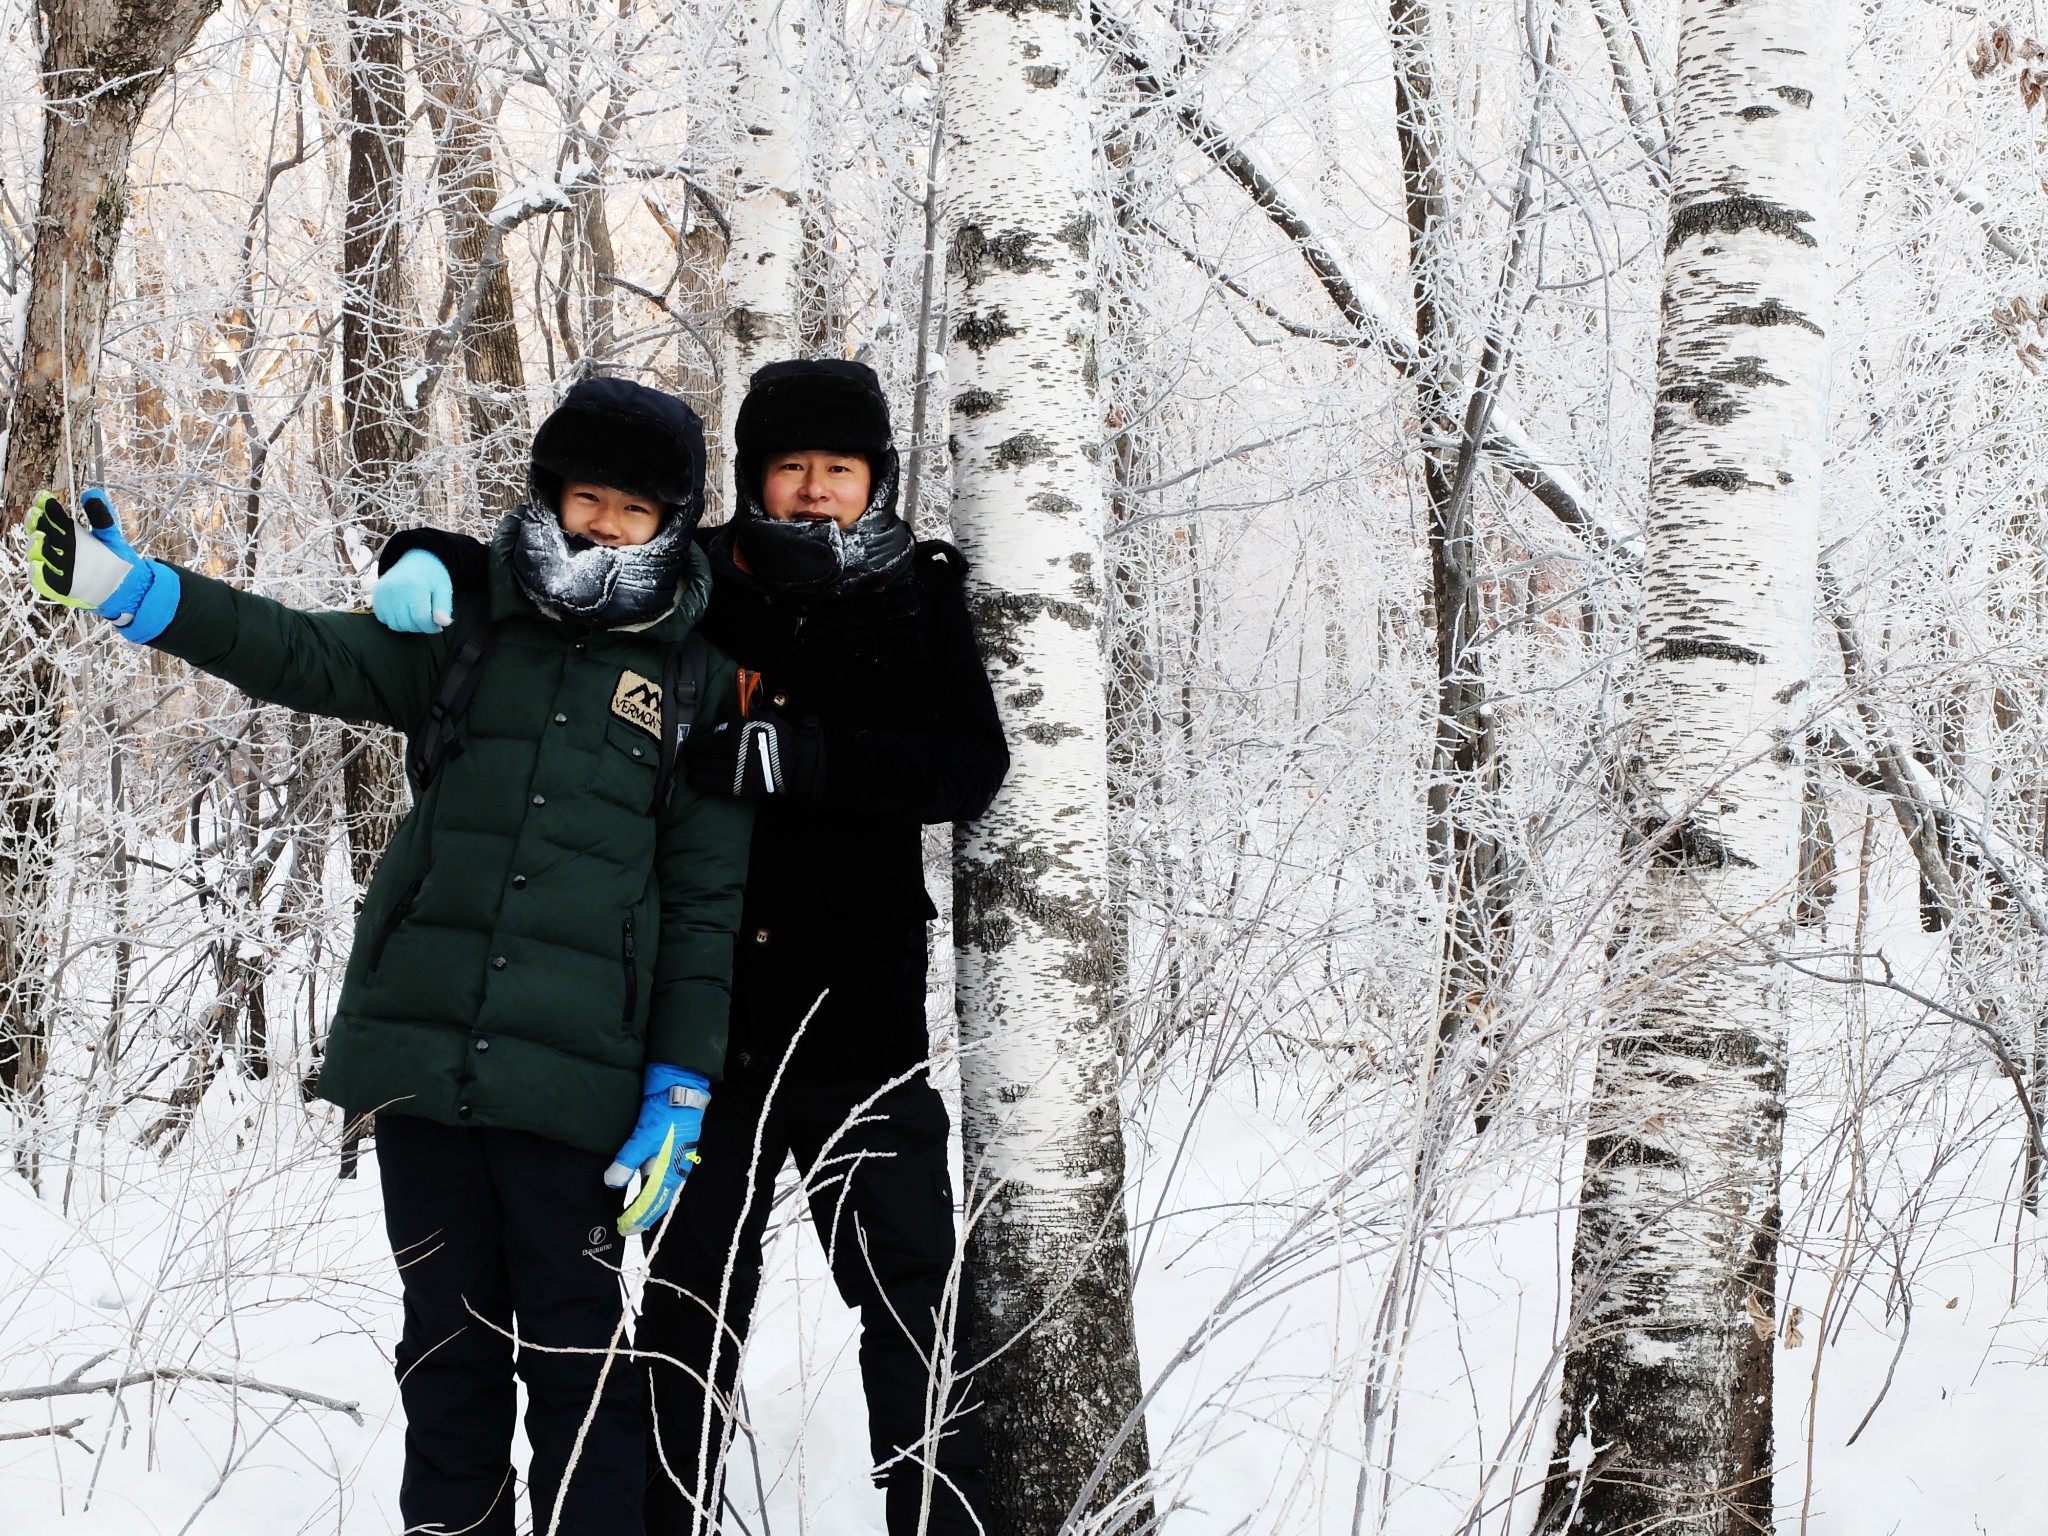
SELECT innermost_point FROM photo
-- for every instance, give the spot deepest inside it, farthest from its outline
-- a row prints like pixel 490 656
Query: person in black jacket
pixel 867 713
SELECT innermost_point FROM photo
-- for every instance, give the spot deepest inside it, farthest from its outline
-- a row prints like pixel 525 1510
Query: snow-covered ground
pixel 283 1277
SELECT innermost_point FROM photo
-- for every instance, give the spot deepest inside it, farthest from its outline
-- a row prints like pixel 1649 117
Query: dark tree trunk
pixel 102 62
pixel 492 366
pixel 1465 859
pixel 380 437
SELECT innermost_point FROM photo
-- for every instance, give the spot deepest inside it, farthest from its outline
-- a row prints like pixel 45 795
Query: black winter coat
pixel 835 900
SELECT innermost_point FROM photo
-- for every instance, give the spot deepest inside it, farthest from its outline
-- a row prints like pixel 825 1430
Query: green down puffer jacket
pixel 535 933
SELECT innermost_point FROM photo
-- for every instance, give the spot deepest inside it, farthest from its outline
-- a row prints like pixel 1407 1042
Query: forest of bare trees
pixel 1506 990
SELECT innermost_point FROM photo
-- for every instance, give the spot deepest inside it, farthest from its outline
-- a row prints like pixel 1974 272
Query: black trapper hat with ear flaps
pixel 622 434
pixel 822 403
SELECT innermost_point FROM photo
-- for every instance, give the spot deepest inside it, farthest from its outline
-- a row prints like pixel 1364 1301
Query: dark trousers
pixel 881 1196
pixel 494 1229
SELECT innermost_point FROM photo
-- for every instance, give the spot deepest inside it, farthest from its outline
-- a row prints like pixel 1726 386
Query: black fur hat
pixel 822 403
pixel 618 433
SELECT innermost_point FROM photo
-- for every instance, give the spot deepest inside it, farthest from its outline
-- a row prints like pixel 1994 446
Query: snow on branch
pixel 1507 441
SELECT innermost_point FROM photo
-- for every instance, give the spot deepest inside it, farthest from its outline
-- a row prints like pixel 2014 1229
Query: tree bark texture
pixel 492 365
pixel 102 62
pixel 376 314
pixel 765 253
pixel 1666 1420
pixel 1050 1321
pixel 380 436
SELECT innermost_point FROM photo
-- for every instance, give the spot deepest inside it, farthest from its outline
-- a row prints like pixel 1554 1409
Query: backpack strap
pixel 436 741
pixel 685 680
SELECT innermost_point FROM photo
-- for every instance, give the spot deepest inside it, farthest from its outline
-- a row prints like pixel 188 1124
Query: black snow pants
pixel 881 1196
pixel 494 1229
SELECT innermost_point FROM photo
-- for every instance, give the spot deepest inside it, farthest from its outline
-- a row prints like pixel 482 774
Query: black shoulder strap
pixel 685 679
pixel 435 742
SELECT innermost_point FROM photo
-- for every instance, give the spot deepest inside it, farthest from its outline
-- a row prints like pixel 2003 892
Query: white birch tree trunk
pixel 763 256
pixel 1667 1394
pixel 1044 1146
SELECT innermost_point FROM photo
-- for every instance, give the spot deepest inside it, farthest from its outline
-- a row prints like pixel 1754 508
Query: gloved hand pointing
pixel 96 567
pixel 416 596
pixel 663 1146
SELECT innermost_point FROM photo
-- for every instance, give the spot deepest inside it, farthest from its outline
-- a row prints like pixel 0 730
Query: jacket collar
pixel 693 592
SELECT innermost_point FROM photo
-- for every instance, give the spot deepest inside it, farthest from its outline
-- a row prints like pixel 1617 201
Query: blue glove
pixel 415 597
pixel 663 1146
pixel 96 567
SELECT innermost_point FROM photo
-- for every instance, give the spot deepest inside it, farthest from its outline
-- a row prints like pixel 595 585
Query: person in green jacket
pixel 535 1005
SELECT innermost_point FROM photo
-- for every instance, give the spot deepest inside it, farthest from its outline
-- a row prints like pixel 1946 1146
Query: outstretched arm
pixel 344 664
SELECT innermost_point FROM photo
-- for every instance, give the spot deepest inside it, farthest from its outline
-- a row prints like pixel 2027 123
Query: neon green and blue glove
pixel 663 1146
pixel 95 567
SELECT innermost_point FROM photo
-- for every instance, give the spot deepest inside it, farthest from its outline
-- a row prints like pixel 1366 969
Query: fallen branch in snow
pixel 72 1386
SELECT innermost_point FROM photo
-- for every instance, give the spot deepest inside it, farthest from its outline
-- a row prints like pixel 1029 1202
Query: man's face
pixel 605 515
pixel 815 485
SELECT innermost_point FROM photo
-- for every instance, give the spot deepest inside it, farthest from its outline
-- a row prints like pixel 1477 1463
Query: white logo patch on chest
pixel 637 701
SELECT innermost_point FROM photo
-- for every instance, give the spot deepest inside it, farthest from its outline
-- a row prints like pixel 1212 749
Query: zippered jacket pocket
pixel 632 968
pixel 390 924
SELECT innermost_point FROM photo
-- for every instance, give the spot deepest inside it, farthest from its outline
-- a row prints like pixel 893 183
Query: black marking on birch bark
pixel 1625 1151
pixel 993 893
pixel 1732 215
pixel 1714 396
pixel 745 325
pixel 1024 448
pixel 1757 113
pixel 978 402
pixel 1730 480
pixel 1050 501
pixel 975 252
pixel 1798 95
pixel 983 329
pixel 1049 735
pixel 1688 845
pixel 999 616
pixel 1015 9
pixel 1694 648
pixel 1042 77
pixel 1770 312
pixel 1076 233
pixel 1026 698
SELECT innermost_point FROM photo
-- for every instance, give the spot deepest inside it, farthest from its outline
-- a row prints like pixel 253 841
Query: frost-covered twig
pixel 71 1388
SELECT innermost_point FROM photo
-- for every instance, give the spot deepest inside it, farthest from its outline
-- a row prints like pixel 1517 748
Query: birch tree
pixel 102 63
pixel 1050 1323
pixel 1666 1420
pixel 765 236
